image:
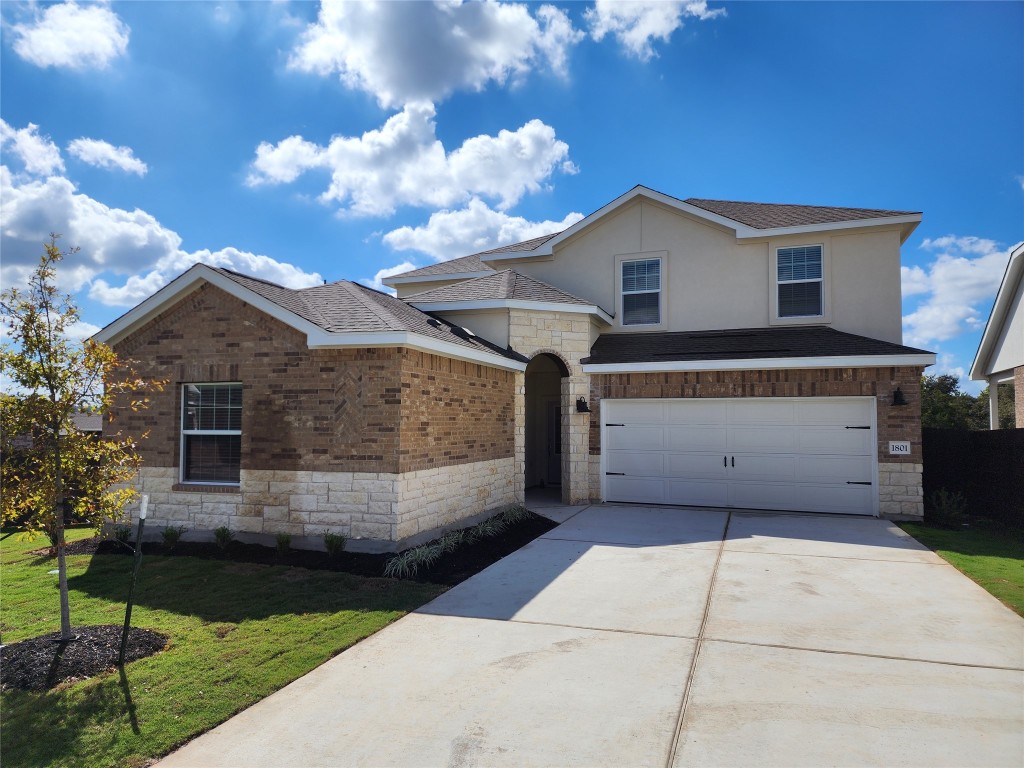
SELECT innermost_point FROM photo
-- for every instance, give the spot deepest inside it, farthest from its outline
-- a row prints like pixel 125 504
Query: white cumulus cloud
pixel 104 155
pixel 404 163
pixel 129 246
pixel 956 288
pixel 638 23
pixel 423 51
pixel 37 153
pixel 72 36
pixel 377 281
pixel 450 234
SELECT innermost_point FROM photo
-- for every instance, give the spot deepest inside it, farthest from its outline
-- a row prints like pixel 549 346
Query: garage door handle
pixel 858 427
pixel 725 461
pixel 858 482
pixel 734 461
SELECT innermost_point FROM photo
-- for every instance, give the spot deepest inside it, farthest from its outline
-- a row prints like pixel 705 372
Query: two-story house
pixel 695 352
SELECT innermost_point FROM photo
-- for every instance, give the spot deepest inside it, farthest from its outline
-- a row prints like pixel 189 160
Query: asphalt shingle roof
pixel 347 307
pixel 506 284
pixel 472 263
pixel 738 344
pixel 772 215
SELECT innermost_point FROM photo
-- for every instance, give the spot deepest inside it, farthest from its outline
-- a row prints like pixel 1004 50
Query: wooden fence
pixel 987 467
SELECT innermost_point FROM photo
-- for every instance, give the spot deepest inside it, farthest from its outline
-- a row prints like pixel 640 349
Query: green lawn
pixel 992 557
pixel 237 633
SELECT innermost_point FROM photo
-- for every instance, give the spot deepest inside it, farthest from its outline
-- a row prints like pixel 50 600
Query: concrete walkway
pixel 645 636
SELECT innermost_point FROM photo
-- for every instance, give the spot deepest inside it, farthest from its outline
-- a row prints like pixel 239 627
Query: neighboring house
pixel 659 351
pixel 1000 355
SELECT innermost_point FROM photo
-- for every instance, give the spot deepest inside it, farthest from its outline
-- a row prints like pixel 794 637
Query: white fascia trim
pixel 186 284
pixel 993 328
pixel 772 363
pixel 540 306
pixel 326 340
pixel 434 278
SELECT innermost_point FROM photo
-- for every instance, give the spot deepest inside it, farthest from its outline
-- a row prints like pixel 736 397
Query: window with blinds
pixel 211 433
pixel 641 292
pixel 800 281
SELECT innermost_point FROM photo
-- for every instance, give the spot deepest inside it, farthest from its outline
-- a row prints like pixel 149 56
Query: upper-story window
pixel 641 292
pixel 800 281
pixel 211 433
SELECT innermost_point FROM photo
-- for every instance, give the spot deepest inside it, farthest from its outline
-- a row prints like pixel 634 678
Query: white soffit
pixel 1001 306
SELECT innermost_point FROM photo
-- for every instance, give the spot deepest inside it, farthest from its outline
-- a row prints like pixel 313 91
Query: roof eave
pixel 769 363
pixel 399 280
pixel 540 306
pixel 993 328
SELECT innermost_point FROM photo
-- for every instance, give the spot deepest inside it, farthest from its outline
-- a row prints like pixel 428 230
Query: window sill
pixel 201 488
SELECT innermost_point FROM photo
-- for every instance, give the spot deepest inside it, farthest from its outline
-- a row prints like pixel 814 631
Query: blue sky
pixel 301 143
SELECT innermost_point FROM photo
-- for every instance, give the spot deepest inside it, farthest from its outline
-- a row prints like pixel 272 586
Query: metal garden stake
pixel 135 576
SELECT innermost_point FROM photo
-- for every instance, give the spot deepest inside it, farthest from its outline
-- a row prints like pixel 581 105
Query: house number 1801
pixel 899 448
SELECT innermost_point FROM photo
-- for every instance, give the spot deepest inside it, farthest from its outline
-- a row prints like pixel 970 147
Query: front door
pixel 554 443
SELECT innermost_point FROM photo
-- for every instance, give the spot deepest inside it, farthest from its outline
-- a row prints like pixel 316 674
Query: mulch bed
pixel 449 570
pixel 40 663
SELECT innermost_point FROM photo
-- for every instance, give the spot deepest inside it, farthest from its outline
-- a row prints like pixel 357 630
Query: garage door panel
pixel 648 412
pixel 696 412
pixel 742 411
pixel 633 438
pixel 833 469
pixel 826 410
pixel 696 438
pixel 636 489
pixel 835 441
pixel 845 499
pixel 639 463
pixel 754 495
pixel 691 493
pixel 761 438
pixel 763 467
pixel 696 466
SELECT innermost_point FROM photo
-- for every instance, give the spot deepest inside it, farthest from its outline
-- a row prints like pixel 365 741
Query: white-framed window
pixel 799 281
pixel 211 433
pixel 641 292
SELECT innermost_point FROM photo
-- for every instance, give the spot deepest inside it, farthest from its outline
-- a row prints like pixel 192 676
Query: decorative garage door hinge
pixel 858 482
pixel 615 425
pixel 858 427
pixel 615 473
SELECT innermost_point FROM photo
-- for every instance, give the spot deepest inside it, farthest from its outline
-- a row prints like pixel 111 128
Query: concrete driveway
pixel 644 636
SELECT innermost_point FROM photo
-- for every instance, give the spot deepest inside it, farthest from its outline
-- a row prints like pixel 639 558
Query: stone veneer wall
pixel 566 336
pixel 1018 396
pixel 382 506
pixel 900 489
pixel 370 443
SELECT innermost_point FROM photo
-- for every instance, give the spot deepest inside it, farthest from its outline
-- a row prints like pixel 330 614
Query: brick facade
pixel 899 476
pixel 343 415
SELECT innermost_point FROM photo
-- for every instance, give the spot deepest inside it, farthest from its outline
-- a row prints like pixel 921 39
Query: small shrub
pixel 334 543
pixel 947 509
pixel 284 542
pixel 408 563
pixel 123 534
pixel 223 536
pixel 171 535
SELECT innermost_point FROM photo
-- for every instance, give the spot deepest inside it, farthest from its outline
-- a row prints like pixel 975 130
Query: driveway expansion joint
pixel 865 655
pixel 677 733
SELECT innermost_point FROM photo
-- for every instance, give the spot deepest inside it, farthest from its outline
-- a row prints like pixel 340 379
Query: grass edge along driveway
pixel 238 632
pixel 991 557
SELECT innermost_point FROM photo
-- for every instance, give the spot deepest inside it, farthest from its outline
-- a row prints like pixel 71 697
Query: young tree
pixel 943 405
pixel 49 467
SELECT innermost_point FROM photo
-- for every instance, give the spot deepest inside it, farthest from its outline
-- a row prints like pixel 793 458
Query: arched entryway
pixel 545 436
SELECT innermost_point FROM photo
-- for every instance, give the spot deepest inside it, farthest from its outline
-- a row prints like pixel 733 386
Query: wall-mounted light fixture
pixel 898 398
pixel 581 405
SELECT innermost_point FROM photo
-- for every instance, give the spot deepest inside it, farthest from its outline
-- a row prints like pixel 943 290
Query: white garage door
pixel 802 454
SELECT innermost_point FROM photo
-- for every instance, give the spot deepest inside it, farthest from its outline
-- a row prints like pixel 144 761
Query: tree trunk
pixel 62 567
